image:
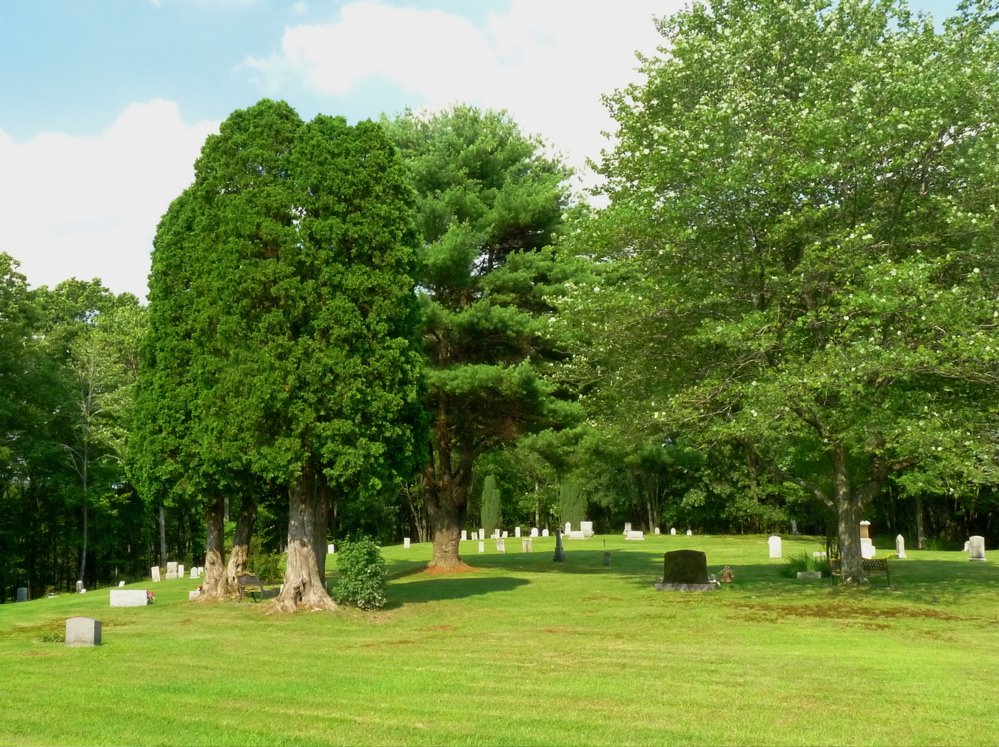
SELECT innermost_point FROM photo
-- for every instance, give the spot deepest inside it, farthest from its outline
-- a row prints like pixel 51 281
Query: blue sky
pixel 105 103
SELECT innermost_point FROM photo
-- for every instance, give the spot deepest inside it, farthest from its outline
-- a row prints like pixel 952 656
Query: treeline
pixel 784 318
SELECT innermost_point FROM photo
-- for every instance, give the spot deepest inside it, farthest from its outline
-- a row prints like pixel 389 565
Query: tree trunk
pixel 303 583
pixel 849 506
pixel 214 585
pixel 446 485
pixel 162 532
pixel 920 534
pixel 240 544
pixel 446 520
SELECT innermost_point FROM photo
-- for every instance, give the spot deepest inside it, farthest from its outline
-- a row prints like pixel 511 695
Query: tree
pixel 809 190
pixel 488 201
pixel 491 508
pixel 282 306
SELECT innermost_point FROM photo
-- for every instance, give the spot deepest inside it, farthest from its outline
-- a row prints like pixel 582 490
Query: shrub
pixel 362 578
pixel 491 512
pixel 269 566
pixel 804 562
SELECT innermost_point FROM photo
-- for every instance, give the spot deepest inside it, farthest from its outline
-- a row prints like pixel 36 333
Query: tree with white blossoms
pixel 803 209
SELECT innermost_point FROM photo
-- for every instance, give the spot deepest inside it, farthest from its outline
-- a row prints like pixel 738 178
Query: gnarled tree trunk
pixel 214 585
pixel 304 586
pixel 241 543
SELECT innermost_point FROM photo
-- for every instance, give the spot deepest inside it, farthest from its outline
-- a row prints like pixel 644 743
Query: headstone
pixel 501 545
pixel 900 546
pixel 482 546
pixel 495 535
pixel 689 533
pixel 575 534
pixel 976 548
pixel 79 587
pixel 794 526
pixel 527 544
pixel 482 534
pixel 586 527
pixel 129 598
pixel 405 542
pixel 867 548
pixel 535 532
pixel 627 527
pixel 656 531
pixel 545 533
pixel 180 570
pixel 155 572
pixel 171 570
pixel 121 584
pixel 504 535
pixel 966 543
pixel 634 534
pixel 331 549
pixel 516 532
pixel 559 550
pixel 193 594
pixel 865 529
pixel 568 527
pixel 685 570
pixel 22 593
pixel 672 531
pixel 83 631
pixel 774 542
pixel 464 535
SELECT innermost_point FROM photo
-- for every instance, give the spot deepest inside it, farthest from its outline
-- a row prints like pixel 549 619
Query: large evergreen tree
pixel 805 195
pixel 489 202
pixel 283 310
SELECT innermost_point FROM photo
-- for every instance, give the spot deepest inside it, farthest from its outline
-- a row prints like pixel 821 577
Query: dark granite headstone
pixel 685 567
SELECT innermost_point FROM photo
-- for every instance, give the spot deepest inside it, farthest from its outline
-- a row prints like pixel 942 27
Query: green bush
pixel 269 566
pixel 491 513
pixel 362 578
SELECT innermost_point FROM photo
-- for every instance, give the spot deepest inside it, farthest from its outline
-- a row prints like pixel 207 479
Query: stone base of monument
pixel 687 587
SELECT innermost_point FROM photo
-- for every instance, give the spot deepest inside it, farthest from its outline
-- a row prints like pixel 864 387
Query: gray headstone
pixel 501 545
pixel 22 593
pixel 155 573
pixel 627 527
pixel 900 546
pixel 79 587
pixel 976 548
pixel 685 567
pixel 545 533
pixel 482 546
pixel 129 598
pixel 527 544
pixel 83 631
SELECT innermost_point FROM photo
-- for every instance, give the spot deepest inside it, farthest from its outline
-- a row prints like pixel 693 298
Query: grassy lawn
pixel 524 651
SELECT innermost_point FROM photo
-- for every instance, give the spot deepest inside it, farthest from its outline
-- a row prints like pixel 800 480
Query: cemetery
pixel 518 649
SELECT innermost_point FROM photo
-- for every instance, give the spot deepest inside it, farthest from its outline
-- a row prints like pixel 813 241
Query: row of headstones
pixel 636 534
pixel 175 570
pixel 975 546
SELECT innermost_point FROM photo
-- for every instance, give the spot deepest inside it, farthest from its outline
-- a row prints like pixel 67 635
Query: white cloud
pixel 88 206
pixel 545 61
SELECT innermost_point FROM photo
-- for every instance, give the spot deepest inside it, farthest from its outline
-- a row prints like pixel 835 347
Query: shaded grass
pixel 522 650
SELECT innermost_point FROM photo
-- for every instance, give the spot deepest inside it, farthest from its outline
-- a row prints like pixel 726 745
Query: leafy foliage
pixel 363 578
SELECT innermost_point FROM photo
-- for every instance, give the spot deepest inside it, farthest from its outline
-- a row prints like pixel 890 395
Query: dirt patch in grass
pixel 380 644
pixel 440 628
pixel 866 615
pixel 436 570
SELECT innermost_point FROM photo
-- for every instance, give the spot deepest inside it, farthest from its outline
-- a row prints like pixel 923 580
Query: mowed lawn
pixel 522 651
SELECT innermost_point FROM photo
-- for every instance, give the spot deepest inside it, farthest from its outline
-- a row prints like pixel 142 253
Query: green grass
pixel 524 651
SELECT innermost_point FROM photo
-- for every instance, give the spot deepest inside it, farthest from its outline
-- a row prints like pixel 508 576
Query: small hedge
pixel 362 579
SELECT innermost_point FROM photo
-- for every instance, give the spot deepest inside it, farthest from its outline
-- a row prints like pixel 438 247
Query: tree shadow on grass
pixel 439 588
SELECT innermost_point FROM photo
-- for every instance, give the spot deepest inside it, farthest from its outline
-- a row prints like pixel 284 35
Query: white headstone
pixel 505 535
pixel 527 544
pixel 656 531
pixel 634 534
pixel 900 546
pixel 774 543
pixel 545 533
pixel 689 533
pixel 672 531
pixel 405 542
pixel 155 572
pixel 586 527
pixel 976 548
pixel 22 593
pixel 482 534
pixel 79 587
pixel 193 594
pixel 867 548
pixel 516 532
pixel 121 584
pixel 495 535
pixel 171 570
pixel 83 631
pixel 501 545
pixel 331 549
pixel 129 598
pixel 966 543
pixel 627 527
pixel 568 527
pixel 535 532
pixel 482 546
pixel 464 535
